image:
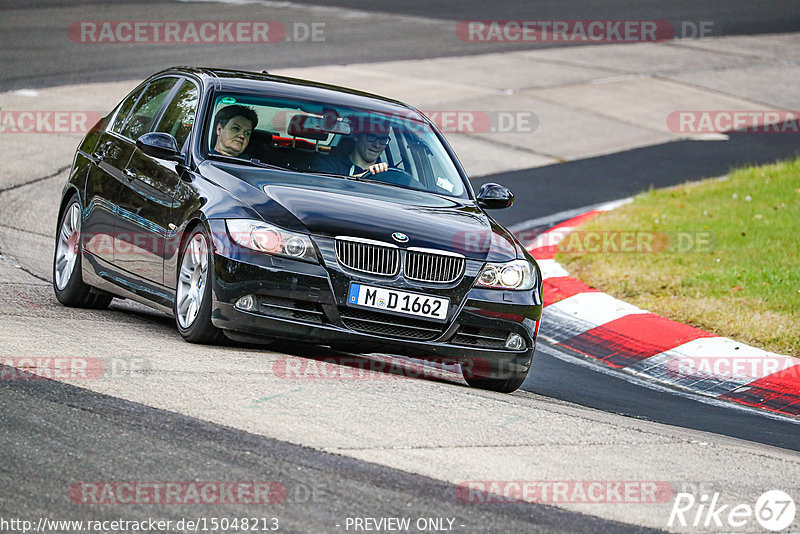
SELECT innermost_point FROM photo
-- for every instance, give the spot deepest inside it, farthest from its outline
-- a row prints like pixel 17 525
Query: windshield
pixel 397 149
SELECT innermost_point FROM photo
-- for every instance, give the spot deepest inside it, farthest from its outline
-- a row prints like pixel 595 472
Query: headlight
pixel 263 237
pixel 517 274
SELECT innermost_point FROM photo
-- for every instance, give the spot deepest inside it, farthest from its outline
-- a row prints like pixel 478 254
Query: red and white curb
pixel 622 336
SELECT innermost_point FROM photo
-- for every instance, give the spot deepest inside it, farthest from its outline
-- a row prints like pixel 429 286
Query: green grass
pixel 744 284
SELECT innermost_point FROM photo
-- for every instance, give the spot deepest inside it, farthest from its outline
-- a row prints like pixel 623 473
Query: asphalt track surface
pixel 615 176
pixel 35 50
pixel 88 434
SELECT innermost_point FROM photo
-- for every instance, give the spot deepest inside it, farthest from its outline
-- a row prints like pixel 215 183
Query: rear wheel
pixel 193 296
pixel 67 263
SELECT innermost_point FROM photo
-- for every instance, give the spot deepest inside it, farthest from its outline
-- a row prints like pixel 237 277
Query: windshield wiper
pixel 363 178
pixel 331 174
pixel 254 162
pixel 376 181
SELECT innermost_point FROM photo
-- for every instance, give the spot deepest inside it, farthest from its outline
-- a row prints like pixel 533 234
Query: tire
pixel 68 282
pixel 480 373
pixel 502 385
pixel 193 296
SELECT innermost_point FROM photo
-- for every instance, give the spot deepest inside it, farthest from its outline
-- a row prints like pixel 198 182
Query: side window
pixel 142 115
pixel 179 116
pixel 125 109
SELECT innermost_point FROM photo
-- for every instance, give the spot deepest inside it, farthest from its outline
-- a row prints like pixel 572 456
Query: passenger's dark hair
pixel 228 112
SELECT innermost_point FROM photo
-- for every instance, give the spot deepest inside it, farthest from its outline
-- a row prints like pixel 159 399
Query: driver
pixel 233 126
pixel 369 141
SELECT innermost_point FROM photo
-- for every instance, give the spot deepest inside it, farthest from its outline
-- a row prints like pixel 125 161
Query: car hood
pixel 331 207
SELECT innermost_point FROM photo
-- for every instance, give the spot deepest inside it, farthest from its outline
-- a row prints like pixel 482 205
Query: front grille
pixel 370 257
pixel 385 324
pixel 290 309
pixel 486 338
pixel 432 266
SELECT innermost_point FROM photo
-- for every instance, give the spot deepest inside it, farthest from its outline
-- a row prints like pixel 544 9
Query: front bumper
pixel 308 302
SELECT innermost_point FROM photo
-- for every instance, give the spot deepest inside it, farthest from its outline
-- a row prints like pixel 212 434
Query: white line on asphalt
pixel 568 214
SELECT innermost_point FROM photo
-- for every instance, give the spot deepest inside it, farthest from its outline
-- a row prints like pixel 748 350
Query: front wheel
pixel 67 263
pixel 482 374
pixel 503 385
pixel 193 296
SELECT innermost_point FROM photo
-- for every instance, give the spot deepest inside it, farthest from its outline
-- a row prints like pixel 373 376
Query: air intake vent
pixel 366 256
pixel 425 265
pixel 384 324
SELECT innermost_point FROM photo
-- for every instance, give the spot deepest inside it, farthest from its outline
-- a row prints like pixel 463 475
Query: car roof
pixel 282 86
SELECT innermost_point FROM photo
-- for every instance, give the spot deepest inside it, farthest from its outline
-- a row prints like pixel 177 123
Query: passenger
pixel 233 126
pixel 368 145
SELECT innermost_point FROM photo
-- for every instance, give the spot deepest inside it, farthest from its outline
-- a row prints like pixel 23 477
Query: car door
pixel 138 236
pixel 148 198
pixel 104 182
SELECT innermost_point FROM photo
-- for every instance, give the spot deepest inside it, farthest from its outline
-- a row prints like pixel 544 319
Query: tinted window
pixel 178 118
pixel 318 137
pixel 125 109
pixel 142 115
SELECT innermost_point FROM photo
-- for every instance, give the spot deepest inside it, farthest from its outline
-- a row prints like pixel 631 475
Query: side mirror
pixel 495 197
pixel 160 145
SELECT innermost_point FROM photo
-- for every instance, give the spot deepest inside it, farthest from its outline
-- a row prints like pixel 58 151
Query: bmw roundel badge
pixel 400 237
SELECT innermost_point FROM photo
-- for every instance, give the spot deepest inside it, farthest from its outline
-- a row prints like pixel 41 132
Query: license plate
pixel 399 302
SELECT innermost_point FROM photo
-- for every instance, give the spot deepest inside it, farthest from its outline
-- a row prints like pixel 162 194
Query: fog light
pixel 247 303
pixel 515 342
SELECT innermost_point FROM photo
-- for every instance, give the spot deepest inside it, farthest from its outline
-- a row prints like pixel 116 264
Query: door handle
pixel 129 173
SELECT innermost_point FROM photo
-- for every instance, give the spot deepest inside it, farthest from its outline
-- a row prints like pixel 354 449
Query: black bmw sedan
pixel 256 207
